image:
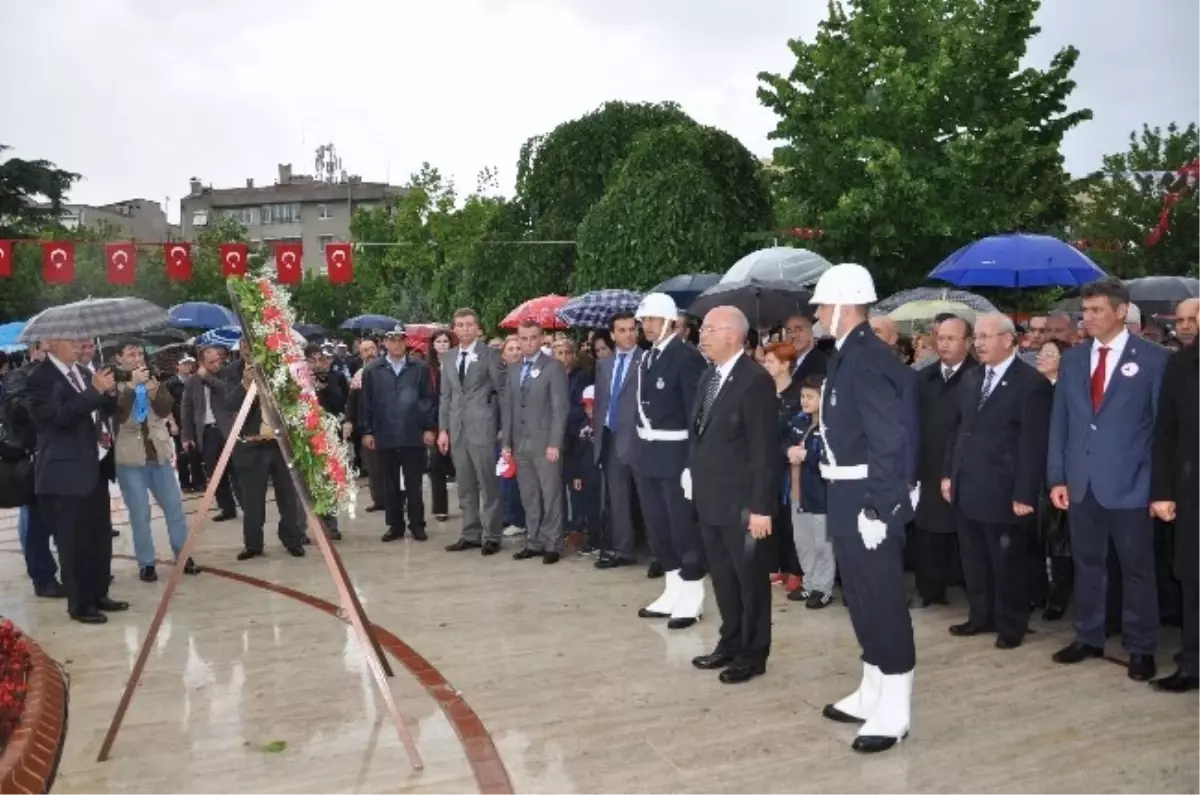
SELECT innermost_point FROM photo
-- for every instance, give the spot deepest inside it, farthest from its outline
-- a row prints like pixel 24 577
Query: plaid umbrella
pixel 595 309
pixel 94 317
pixel 541 310
pixel 894 302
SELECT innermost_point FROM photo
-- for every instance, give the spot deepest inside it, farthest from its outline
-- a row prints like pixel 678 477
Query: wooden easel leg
pixel 199 519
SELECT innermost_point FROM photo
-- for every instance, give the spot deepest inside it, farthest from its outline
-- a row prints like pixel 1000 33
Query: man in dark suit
pixel 614 421
pixel 665 394
pixel 72 470
pixel 1098 467
pixel 935 531
pixel 200 422
pixel 733 480
pixel 993 478
pixel 809 360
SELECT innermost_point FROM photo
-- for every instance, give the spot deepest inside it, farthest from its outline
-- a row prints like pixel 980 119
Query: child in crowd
pixel 813 547
pixel 581 474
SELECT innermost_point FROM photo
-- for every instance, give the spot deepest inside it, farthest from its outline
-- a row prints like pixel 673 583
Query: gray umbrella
pixel 894 302
pixel 766 303
pixel 94 317
pixel 781 263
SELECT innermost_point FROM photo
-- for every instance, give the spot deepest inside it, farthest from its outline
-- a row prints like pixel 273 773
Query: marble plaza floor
pixel 519 677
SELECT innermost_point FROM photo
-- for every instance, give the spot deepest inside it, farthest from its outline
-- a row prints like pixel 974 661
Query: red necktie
pixel 1098 379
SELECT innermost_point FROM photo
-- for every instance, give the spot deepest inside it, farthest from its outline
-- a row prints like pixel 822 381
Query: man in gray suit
pixel 469 422
pixel 534 427
pixel 614 423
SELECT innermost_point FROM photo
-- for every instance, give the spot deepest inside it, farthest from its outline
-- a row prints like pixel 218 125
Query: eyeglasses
pixel 711 329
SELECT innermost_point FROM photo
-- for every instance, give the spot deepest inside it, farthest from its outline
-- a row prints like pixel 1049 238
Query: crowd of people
pixel 1032 465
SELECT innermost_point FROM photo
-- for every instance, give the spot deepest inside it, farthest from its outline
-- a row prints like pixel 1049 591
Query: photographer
pixel 332 390
pixel 144 449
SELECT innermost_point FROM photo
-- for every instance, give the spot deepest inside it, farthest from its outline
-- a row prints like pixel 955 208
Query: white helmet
pixel 657 305
pixel 847 284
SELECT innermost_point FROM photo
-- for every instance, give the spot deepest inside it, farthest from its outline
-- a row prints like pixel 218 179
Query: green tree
pixel 1122 204
pixel 25 185
pixel 909 129
pixel 683 201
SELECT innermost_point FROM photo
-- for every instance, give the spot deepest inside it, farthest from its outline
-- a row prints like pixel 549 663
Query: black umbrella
pixel 686 288
pixel 311 331
pixel 766 303
pixel 1158 295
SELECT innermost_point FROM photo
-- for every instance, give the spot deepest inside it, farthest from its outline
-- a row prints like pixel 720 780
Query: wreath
pixel 313 435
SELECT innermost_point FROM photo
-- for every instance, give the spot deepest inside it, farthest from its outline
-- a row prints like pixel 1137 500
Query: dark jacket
pixel 803 431
pixel 939 413
pixel 67 461
pixel 397 410
pixel 332 392
pixel 668 400
pixel 1173 477
pixel 815 362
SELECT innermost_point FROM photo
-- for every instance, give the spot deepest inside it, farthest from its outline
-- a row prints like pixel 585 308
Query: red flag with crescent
pixel 289 262
pixel 179 261
pixel 58 263
pixel 339 262
pixel 233 259
pixel 121 261
pixel 6 266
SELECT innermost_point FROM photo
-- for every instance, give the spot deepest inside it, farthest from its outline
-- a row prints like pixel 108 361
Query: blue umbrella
pixel 367 322
pixel 201 314
pixel 8 336
pixel 1017 260
pixel 596 309
pixel 226 337
pixel 687 288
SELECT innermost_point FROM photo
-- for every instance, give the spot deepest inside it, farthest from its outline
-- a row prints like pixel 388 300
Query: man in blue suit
pixel 1098 468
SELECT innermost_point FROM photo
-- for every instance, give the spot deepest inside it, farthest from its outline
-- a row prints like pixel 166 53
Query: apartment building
pixel 297 209
pixel 139 220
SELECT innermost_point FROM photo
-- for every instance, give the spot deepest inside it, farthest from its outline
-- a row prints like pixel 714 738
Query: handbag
pixel 16 483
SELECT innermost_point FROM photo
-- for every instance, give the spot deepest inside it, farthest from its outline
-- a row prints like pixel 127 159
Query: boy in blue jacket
pixel 807 497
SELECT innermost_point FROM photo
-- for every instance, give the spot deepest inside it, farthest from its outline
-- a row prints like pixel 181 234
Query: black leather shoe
pixel 490 548
pixel 830 712
pixel 1052 613
pixel 392 534
pixel 967 629
pixel 866 744
pixel 296 551
pixel 526 554
pixel 461 544
pixel 116 533
pixel 613 562
pixel 738 673
pixel 644 613
pixel 50 590
pixel 1008 641
pixel 681 623
pixel 111 605
pixel 419 534
pixel 335 535
pixel 1076 652
pixel 711 662
pixel 148 574
pixel 654 570
pixel 1178 682
pixel 89 615
pixel 550 558
pixel 1142 667
pixel 373 508
pixel 305 541
pixel 190 567
pixel 246 554
pixel 225 516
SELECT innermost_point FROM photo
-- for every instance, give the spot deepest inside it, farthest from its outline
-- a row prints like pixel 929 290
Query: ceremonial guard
pixel 667 377
pixel 865 462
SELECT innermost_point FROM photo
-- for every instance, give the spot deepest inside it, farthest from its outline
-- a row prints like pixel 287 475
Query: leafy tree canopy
pixel 1122 205
pixel 909 129
pixel 24 185
pixel 682 202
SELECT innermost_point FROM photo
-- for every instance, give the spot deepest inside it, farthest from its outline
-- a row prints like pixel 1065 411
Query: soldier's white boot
pixel 859 705
pixel 689 606
pixel 665 603
pixel 890 721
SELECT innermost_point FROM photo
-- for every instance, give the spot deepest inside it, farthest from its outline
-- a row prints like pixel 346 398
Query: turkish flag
pixel 339 262
pixel 289 262
pixel 121 259
pixel 58 263
pixel 233 259
pixel 6 267
pixel 179 261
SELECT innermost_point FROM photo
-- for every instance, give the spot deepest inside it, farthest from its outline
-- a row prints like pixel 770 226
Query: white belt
pixel 852 472
pixel 652 435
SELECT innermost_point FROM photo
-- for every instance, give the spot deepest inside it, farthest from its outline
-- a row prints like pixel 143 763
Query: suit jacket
pixel 469 409
pixel 815 362
pixel 1107 451
pixel 194 408
pixel 668 398
pixel 1176 458
pixel 535 414
pixel 625 418
pixel 67 460
pixel 939 414
pixel 734 451
pixel 994 452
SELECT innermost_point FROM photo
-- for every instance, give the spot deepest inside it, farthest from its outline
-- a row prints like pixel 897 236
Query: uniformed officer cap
pixel 657 305
pixel 847 284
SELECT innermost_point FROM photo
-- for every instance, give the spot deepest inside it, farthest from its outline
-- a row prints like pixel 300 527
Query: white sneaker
pixel 511 531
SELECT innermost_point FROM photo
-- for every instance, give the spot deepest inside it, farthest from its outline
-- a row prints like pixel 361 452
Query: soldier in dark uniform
pixel 667 377
pixel 866 463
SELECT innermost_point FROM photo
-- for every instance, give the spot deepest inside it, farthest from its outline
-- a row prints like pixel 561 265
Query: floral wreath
pixel 318 451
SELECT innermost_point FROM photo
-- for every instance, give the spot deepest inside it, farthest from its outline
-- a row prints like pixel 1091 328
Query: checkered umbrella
pixel 595 309
pixel 94 317
pixel 894 302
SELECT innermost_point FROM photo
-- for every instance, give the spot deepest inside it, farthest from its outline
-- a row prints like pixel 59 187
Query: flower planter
pixel 31 755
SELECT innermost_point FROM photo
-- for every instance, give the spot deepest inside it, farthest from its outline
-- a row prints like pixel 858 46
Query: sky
pixel 141 95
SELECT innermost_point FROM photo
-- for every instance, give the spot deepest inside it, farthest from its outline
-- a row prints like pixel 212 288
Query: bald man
pixel 1186 322
pixel 886 329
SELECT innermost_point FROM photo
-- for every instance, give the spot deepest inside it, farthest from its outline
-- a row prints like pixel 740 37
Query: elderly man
pixel 1185 321
pixel 886 329
pixel 1133 320
pixel 735 420
pixel 809 360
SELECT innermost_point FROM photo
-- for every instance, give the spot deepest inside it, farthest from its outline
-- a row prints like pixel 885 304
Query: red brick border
pixel 30 759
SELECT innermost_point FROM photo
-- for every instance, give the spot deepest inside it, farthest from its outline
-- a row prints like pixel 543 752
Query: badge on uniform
pixel 833 398
pixel 1129 369
pixel 535 372
pixel 660 384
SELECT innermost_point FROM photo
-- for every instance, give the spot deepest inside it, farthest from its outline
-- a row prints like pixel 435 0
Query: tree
pixel 682 201
pixel 24 186
pixel 1123 202
pixel 909 129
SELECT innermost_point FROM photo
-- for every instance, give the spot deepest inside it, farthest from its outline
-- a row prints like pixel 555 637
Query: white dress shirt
pixel 723 370
pixel 1115 349
pixel 999 370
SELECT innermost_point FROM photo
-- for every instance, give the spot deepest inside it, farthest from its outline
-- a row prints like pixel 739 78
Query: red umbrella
pixel 544 310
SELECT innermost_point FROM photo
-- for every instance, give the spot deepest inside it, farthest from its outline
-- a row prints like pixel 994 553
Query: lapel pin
pixel 1129 369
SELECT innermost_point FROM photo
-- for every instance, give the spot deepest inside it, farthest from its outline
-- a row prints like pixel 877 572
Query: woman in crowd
pixel 577 475
pixel 511 509
pixel 441 466
pixel 924 351
pixel 601 344
pixel 779 360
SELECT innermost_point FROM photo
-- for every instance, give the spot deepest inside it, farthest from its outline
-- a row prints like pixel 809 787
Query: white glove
pixel 915 495
pixel 685 480
pixel 872 531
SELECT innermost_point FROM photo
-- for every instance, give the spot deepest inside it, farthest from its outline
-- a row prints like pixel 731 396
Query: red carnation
pixel 264 287
pixel 319 444
pixel 312 420
pixel 272 315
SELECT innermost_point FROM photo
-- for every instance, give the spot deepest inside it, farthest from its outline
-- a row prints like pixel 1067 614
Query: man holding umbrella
pixel 665 385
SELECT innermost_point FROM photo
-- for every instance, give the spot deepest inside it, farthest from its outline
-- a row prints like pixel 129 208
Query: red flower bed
pixel 14 672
